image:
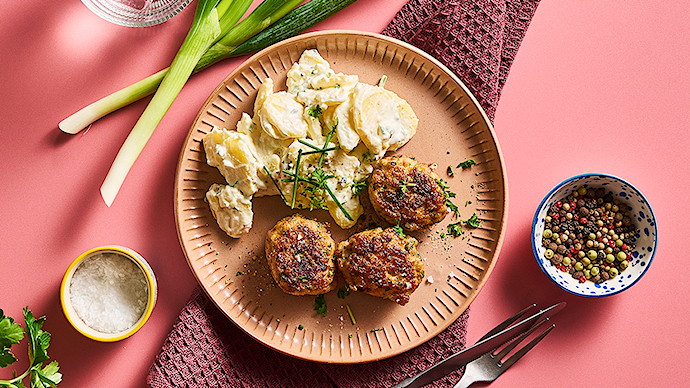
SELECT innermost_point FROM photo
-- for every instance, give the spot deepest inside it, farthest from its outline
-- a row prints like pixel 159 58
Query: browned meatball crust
pixel 300 254
pixel 407 192
pixel 381 263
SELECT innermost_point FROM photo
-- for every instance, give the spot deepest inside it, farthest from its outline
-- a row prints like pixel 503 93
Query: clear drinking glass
pixel 136 13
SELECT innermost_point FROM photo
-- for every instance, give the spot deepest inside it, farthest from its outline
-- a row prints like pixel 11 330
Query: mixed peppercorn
pixel 590 235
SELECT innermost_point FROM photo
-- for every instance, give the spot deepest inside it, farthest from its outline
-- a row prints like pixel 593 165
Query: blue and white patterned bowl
pixel 641 214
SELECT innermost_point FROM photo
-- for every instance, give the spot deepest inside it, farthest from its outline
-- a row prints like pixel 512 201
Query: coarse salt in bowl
pixel 108 293
pixel 642 217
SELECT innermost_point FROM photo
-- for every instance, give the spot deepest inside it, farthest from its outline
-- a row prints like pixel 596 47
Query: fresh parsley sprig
pixel 399 230
pixel 11 333
pixel 405 185
pixel 455 229
pixel 472 221
pixel 344 291
pixel 316 179
pixel 467 163
pixel 449 194
pixel 315 111
pixel 358 187
pixel 320 305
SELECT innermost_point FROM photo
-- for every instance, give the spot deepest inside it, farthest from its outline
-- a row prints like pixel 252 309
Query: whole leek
pixel 204 31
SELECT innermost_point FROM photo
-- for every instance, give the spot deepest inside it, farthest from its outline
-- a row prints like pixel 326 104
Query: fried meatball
pixel 407 192
pixel 381 263
pixel 300 254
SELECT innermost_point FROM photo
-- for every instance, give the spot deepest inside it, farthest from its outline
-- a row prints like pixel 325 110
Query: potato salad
pixel 313 144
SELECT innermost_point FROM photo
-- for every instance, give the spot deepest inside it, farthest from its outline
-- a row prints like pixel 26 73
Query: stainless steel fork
pixel 515 328
pixel 489 366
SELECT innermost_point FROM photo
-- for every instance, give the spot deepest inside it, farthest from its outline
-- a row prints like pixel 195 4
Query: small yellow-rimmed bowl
pixel 71 313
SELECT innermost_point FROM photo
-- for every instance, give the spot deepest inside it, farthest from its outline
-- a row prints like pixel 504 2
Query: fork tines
pixel 522 351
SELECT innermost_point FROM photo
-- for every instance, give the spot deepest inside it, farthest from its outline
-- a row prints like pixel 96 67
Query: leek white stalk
pixel 204 31
pixel 123 97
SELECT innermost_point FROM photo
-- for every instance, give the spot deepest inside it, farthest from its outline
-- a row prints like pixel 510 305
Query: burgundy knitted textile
pixel 478 40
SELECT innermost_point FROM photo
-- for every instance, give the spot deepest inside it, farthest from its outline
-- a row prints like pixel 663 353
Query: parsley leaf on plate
pixel 320 305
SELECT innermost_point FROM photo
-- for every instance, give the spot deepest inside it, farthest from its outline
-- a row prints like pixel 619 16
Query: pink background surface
pixel 596 87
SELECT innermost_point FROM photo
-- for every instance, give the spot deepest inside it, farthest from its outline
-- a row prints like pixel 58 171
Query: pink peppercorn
pixel 583 221
pixel 559 203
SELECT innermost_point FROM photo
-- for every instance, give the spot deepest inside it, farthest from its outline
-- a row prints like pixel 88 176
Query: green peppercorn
pixel 613 272
pixel 547 233
pixel 579 266
pixel 592 236
pixel 586 261
pixel 566 261
pixel 582 190
pixel 610 258
pixel 594 271
pixel 548 254
pixel 587 273
pixel 592 254
pixel 624 264
pixel 621 256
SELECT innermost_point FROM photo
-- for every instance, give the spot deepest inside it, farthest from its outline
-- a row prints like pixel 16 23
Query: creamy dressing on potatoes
pixel 355 123
pixel 231 209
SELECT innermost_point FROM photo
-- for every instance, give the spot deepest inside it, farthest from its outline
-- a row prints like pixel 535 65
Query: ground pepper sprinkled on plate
pixel 590 235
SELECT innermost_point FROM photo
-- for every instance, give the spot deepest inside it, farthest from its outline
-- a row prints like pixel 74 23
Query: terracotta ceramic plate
pixel 452 129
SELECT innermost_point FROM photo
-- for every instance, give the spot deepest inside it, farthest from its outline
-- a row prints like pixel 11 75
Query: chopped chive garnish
pixel 337 202
pixel 352 316
pixel 320 150
pixel 276 184
pixel 294 182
